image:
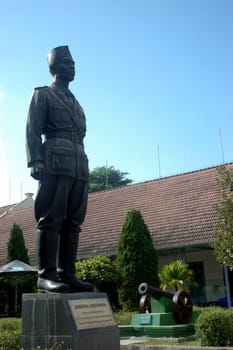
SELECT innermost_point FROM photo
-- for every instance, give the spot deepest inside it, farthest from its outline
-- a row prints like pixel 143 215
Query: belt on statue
pixel 70 135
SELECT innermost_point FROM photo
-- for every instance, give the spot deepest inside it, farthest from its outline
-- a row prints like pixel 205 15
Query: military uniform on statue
pixel 56 127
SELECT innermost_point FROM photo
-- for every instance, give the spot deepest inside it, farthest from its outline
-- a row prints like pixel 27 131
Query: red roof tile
pixel 24 218
pixel 178 210
pixel 5 208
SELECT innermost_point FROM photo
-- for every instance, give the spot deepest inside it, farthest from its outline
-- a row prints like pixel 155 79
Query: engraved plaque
pixel 91 313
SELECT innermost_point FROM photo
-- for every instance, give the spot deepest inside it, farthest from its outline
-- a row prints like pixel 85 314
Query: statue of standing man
pixel 56 127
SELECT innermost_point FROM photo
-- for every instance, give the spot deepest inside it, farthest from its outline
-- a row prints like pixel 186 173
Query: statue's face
pixel 65 69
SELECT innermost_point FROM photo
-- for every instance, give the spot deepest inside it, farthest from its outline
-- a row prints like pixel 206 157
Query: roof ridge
pixel 162 178
pixel 9 210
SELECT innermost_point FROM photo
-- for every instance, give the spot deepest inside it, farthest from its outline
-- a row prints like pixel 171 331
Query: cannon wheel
pixel 182 307
pixel 144 304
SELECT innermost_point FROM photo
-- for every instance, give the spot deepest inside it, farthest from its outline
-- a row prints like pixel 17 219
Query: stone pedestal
pixel 82 321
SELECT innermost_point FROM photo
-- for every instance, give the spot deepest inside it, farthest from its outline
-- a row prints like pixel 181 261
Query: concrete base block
pixel 77 321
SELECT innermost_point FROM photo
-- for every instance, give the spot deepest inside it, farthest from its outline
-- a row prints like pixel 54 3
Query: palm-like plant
pixel 178 276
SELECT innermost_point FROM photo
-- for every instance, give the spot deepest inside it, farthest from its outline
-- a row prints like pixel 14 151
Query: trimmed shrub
pixel 16 246
pixel 214 327
pixel 17 251
pixel 10 324
pixel 137 260
pixel 230 333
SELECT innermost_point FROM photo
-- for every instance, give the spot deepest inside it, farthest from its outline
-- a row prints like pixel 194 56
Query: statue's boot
pixel 66 262
pixel 48 281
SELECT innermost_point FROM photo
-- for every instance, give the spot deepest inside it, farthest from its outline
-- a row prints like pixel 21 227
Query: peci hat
pixel 57 53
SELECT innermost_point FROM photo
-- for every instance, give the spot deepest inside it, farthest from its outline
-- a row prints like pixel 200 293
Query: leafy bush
pixel 100 271
pixel 96 270
pixel 214 327
pixel 10 324
pixel 123 317
pixel 10 334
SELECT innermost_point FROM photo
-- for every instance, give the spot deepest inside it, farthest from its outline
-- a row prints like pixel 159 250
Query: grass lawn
pixel 10 334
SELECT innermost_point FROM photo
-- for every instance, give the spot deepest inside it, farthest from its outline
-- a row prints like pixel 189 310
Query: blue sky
pixel 155 78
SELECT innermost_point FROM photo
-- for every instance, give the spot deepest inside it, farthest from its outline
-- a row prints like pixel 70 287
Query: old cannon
pixel 180 300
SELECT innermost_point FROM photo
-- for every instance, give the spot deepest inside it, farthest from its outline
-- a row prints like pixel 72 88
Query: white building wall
pixel 213 271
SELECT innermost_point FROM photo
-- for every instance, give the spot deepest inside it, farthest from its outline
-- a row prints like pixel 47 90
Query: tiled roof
pixel 24 218
pixel 5 208
pixel 178 210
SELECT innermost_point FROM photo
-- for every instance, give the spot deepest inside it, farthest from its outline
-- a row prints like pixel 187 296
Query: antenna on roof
pixel 21 191
pixel 221 144
pixel 9 191
pixel 158 160
pixel 106 175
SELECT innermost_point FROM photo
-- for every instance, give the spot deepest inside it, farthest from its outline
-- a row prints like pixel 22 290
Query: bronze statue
pixel 56 127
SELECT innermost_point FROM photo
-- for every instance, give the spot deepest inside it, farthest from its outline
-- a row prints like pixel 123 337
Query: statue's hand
pixel 37 170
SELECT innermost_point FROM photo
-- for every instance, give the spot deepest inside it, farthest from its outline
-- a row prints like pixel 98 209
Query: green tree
pixel 223 244
pixel 137 260
pixel 16 246
pixel 103 178
pixel 25 284
pixel 177 276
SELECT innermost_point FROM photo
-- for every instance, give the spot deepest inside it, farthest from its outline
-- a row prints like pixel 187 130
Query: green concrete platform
pixel 174 331
pixel 159 324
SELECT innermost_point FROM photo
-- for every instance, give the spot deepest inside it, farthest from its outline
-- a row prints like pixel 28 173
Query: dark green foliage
pixel 25 284
pixel 214 327
pixel 16 246
pixel 104 178
pixel 100 271
pixel 223 245
pixel 123 317
pixel 97 270
pixel 136 260
pixel 10 334
pixel 177 275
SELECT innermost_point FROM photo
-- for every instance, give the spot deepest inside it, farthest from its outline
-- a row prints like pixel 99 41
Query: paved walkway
pixel 133 340
pixel 136 343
